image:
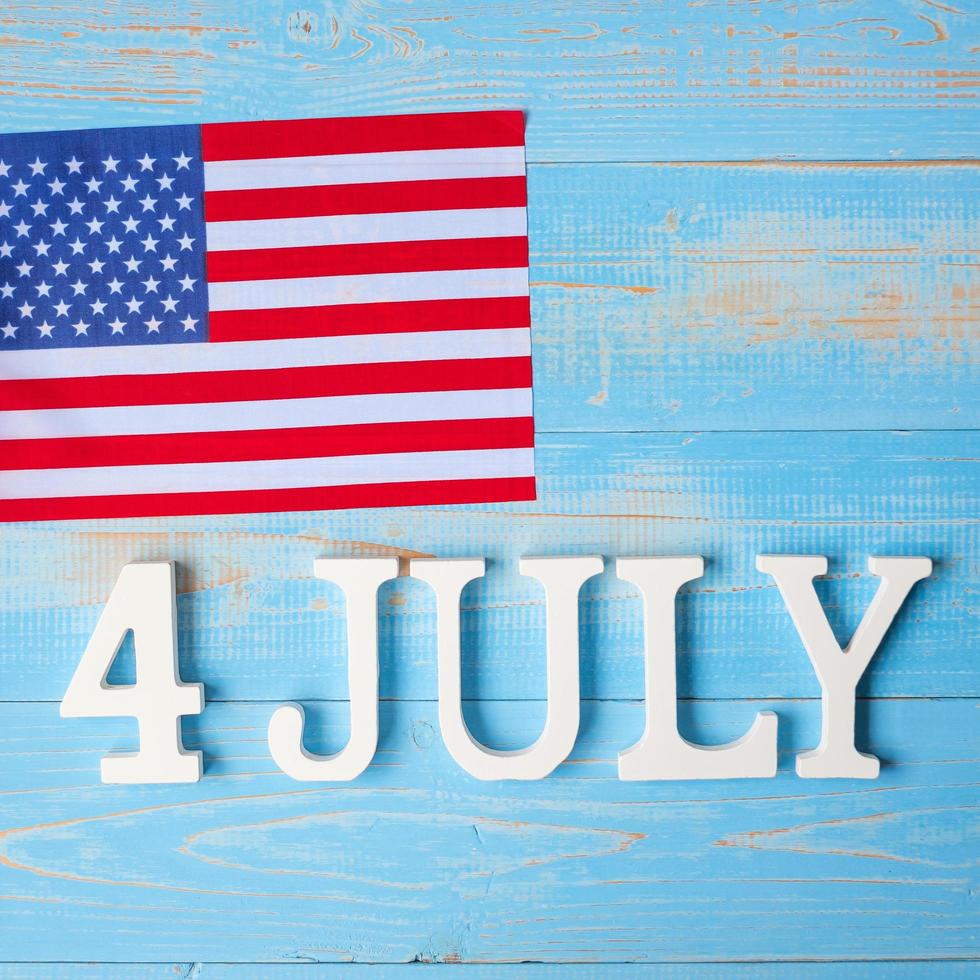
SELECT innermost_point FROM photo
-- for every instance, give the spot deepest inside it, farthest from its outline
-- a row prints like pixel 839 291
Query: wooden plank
pixel 667 80
pixel 255 623
pixel 769 296
pixel 418 861
pixel 852 970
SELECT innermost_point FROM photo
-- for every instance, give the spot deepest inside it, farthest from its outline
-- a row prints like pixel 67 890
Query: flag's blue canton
pixel 102 238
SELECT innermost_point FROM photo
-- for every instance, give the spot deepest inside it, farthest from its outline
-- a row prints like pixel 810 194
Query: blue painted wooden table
pixel 754 232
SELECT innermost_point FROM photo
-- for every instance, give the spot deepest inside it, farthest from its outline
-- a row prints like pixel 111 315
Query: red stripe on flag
pixel 267 501
pixel 202 387
pixel 370 318
pixel 366 134
pixel 375 198
pixel 302 443
pixel 250 264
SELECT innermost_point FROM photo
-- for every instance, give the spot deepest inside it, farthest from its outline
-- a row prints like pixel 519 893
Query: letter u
pixel 562 579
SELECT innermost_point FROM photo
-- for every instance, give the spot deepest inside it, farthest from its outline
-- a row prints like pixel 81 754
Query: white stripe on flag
pixel 356 229
pixel 474 464
pixel 364 168
pixel 287 413
pixel 251 355
pixel 383 287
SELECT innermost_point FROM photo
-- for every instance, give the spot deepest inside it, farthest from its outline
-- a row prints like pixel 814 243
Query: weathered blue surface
pixel 417 860
pixel 768 296
pixel 514 971
pixel 657 80
pixel 683 311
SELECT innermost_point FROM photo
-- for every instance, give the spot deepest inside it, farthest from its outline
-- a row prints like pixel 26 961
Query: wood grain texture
pixel 769 296
pixel 418 861
pixel 852 970
pixel 616 80
pixel 255 623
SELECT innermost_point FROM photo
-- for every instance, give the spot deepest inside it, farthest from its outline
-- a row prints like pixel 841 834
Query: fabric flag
pixel 264 316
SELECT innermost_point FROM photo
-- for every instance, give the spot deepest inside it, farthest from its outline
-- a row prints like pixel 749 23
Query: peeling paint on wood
pixel 663 79
pixel 852 970
pixel 249 865
pixel 769 296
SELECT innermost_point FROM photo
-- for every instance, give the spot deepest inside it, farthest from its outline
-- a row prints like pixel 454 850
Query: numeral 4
pixel 143 600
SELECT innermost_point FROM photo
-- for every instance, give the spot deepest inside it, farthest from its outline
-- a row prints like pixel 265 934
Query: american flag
pixel 264 316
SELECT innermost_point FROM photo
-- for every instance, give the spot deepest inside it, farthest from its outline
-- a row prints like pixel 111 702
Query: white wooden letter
pixel 360 578
pixel 143 600
pixel 662 753
pixel 840 670
pixel 562 578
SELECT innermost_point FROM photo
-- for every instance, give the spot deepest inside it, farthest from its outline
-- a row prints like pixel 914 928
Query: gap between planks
pixel 738 432
pixel 763 162
pixel 780 700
